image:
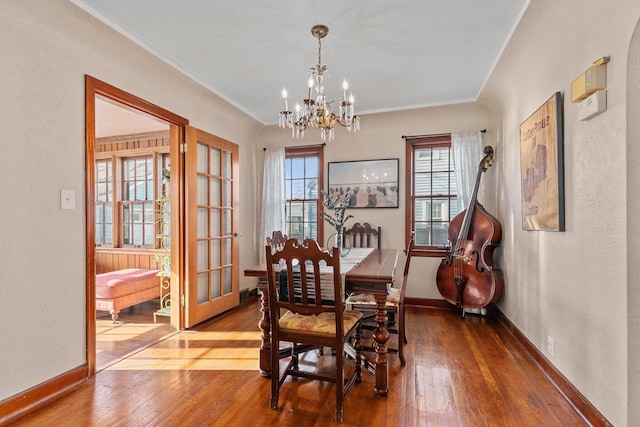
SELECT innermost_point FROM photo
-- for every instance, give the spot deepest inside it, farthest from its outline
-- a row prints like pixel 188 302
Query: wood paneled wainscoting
pixel 471 371
pixel 118 259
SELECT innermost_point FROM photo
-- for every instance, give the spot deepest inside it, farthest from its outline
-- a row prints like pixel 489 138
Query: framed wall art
pixel 541 167
pixel 371 183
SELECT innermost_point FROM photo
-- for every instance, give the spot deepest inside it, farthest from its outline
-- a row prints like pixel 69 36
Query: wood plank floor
pixel 134 331
pixel 460 372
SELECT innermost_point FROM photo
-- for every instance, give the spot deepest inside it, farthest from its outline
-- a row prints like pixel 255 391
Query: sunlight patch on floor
pixel 196 350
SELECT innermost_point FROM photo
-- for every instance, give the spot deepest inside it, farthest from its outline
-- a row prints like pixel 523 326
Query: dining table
pixel 364 272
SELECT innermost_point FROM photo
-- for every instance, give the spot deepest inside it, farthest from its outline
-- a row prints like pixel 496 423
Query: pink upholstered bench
pixel 120 289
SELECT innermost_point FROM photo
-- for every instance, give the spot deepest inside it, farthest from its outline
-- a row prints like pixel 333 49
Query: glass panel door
pixel 212 218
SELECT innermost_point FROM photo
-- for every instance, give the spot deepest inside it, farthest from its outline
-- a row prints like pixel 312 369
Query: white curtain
pixel 467 152
pixel 272 217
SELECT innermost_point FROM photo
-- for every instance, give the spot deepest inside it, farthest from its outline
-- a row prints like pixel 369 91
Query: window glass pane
pixel 455 210
pixel 215 222
pixel 422 183
pixel 108 213
pixel 202 188
pixel 311 211
pixel 440 234
pixel 287 189
pixel 203 287
pixel 215 253
pixel 203 225
pixel 226 164
pixel 99 235
pixel 226 272
pixel 203 255
pixel 311 188
pixel 148 234
pixel 226 218
pixel 215 191
pixel 215 161
pixel 422 161
pixel 137 234
pixel 441 159
pixel 226 250
pixel 440 183
pixel 226 199
pixel 311 167
pixel 202 159
pixel 297 168
pixel 214 288
pixel 297 189
pixel 422 236
pixel 108 231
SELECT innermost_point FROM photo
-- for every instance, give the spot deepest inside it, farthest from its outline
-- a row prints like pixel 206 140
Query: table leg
pixel 265 326
pixel 381 335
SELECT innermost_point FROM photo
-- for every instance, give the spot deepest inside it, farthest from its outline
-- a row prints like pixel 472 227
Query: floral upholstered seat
pixel 323 323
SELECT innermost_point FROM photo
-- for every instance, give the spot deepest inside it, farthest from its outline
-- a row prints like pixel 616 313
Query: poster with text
pixel 541 163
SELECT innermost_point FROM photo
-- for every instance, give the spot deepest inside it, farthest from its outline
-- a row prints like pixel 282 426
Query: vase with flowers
pixel 338 203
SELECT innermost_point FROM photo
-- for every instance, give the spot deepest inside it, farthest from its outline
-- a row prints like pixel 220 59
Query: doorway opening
pixel 132 265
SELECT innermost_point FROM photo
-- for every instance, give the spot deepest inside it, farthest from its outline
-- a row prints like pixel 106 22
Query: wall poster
pixel 541 162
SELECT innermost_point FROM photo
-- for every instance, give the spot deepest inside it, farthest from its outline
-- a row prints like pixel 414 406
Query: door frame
pixel 177 123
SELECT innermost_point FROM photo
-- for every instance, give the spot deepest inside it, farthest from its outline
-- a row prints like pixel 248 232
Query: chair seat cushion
pixel 324 323
pixel 392 299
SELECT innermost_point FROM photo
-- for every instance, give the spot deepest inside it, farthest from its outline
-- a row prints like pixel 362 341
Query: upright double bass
pixel 467 277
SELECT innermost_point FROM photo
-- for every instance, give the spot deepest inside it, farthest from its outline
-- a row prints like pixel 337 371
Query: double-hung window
pixel 303 182
pixel 128 189
pixel 431 192
pixel 137 205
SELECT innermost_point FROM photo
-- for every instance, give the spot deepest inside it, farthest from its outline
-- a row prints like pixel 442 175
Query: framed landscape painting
pixel 371 183
pixel 541 167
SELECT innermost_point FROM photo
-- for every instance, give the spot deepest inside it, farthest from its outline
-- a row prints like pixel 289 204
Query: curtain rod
pixel 433 134
pixel 302 146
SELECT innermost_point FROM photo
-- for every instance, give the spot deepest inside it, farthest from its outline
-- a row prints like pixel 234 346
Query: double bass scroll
pixel 467 276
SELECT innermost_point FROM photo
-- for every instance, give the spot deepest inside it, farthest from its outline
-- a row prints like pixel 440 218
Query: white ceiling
pixel 395 54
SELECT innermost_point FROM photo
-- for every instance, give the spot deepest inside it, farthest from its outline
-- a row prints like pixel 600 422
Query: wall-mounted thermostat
pixel 593 105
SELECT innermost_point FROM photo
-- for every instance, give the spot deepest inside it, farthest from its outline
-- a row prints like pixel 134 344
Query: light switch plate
pixel 67 199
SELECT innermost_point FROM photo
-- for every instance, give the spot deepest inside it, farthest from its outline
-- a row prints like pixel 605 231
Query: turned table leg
pixel 265 326
pixel 381 335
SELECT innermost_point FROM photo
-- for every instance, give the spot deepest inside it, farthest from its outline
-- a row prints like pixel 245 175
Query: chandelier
pixel 316 111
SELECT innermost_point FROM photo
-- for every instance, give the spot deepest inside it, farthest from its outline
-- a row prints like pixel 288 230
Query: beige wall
pixel 633 235
pixel 570 285
pixel 380 137
pixel 46 48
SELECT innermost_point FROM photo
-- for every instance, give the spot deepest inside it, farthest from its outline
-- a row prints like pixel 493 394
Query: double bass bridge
pixel 463 258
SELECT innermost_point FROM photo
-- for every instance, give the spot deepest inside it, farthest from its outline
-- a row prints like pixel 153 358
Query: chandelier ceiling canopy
pixel 315 110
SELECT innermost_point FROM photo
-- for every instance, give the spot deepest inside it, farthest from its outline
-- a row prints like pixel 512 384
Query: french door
pixel 211 222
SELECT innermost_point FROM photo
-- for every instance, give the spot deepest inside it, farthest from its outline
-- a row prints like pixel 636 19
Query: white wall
pixel 380 137
pixel 46 48
pixel 570 285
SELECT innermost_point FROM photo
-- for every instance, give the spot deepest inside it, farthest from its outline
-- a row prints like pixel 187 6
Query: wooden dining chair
pixel 305 319
pixel 394 304
pixel 277 240
pixel 363 235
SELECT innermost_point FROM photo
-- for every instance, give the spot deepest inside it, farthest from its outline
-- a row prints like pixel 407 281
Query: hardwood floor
pixel 460 372
pixel 134 331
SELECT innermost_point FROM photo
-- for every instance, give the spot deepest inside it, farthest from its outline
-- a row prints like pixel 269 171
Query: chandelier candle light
pixel 318 112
